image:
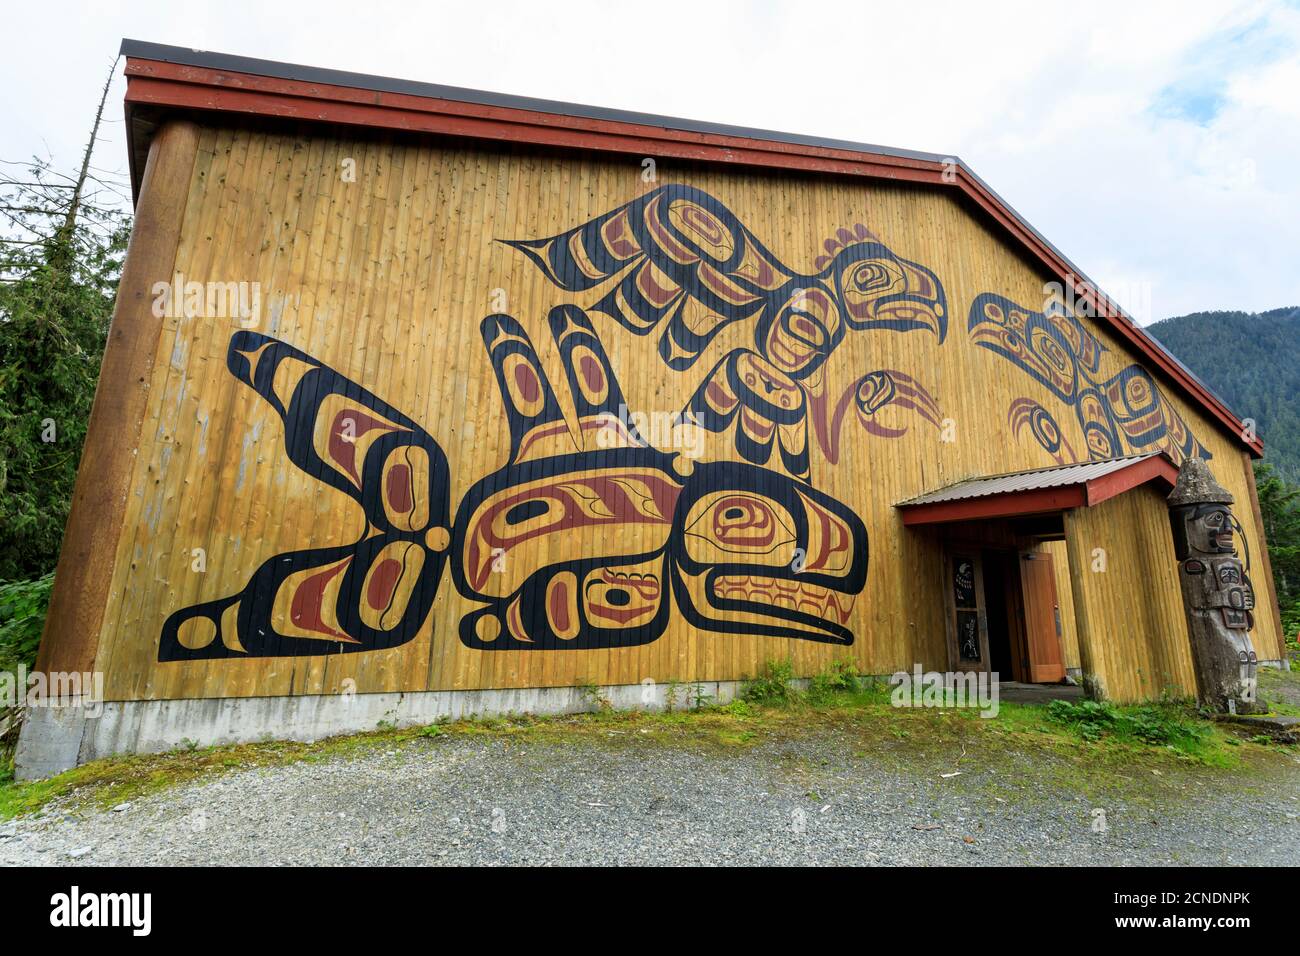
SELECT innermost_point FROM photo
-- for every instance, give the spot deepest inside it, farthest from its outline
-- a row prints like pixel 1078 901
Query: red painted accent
pixel 305 609
pixel 1010 505
pixel 559 607
pixel 349 425
pixel 160 84
pixel 565 512
pixel 383 582
pixel 593 374
pixel 1159 469
pixel 399 489
pixel 526 380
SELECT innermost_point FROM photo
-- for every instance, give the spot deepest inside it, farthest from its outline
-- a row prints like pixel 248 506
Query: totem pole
pixel 1217 595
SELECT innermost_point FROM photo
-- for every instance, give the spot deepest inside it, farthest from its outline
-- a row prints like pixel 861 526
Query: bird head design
pixel 877 289
pixel 1048 345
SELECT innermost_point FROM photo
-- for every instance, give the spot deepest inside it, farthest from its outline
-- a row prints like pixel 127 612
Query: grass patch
pixel 1281 689
pixel 1176 726
pixel 1086 747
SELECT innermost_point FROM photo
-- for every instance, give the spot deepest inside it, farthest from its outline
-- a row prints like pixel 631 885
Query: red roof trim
pixel 1017 504
pixel 1012 504
pixel 1157 468
pixel 159 83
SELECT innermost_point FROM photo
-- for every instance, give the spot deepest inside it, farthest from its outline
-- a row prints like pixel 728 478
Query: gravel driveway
pixel 809 800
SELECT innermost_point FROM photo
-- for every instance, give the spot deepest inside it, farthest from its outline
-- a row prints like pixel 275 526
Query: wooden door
pixel 968 630
pixel 1042 618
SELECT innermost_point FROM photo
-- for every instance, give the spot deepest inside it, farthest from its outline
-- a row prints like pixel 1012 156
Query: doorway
pixel 1006 626
pixel 1003 615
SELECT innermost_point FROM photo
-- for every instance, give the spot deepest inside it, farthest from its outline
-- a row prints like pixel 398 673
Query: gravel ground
pixel 809 800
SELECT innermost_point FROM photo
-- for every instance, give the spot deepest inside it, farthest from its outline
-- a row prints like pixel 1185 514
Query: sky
pixel 1156 144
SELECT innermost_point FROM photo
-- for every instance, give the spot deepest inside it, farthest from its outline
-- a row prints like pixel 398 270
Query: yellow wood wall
pixel 1132 633
pixel 386 278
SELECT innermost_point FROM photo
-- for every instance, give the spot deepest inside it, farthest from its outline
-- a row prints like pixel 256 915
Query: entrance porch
pixel 1062 571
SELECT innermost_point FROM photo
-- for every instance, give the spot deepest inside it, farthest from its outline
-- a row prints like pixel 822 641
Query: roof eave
pixel 1019 503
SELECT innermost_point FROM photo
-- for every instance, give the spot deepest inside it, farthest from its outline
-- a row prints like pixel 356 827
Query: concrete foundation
pixel 54 739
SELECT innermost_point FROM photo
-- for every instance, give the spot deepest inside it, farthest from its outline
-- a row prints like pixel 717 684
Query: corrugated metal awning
pixel 1038 491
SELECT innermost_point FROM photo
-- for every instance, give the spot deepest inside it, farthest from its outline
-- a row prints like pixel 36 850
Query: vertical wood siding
pixel 1131 629
pixel 385 281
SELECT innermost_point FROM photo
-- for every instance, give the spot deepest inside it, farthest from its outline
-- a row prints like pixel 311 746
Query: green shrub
pixel 1165 725
pixel 772 686
pixel 1291 629
pixel 22 615
pixel 840 677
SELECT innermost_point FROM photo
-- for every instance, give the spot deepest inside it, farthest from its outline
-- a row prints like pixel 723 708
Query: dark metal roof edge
pixel 187 56
pixel 383 84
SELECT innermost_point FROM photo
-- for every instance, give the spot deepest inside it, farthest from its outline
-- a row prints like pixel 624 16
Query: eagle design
pixel 678 264
pixel 1123 414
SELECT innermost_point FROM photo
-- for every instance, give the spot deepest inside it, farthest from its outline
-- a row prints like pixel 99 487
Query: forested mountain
pixel 1252 360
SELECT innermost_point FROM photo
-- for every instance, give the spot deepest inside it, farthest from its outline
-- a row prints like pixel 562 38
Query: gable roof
pixel 162 78
pixel 1038 490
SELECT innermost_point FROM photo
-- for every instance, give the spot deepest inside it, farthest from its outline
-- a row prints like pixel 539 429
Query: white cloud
pixel 1059 110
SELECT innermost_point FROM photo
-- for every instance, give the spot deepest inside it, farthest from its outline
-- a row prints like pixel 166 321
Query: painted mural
pixel 589 536
pixel 678 263
pixel 1123 414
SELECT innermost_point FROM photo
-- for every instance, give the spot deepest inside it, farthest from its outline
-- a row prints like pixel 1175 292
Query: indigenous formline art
pixel 638 523
pixel 677 261
pixel 1121 415
pixel 737 547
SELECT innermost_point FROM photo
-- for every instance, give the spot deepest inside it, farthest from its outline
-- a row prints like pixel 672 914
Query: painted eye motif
pixel 868 280
pixel 872 276
pixel 1138 392
pixel 1051 350
pixel 711 237
pixel 730 526
pixel 527 510
pixel 1098 442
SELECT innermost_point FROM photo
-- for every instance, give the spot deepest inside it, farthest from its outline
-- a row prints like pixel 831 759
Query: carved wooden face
pixel 1209 529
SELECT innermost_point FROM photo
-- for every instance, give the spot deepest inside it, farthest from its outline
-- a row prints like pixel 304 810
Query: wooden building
pixel 439 399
